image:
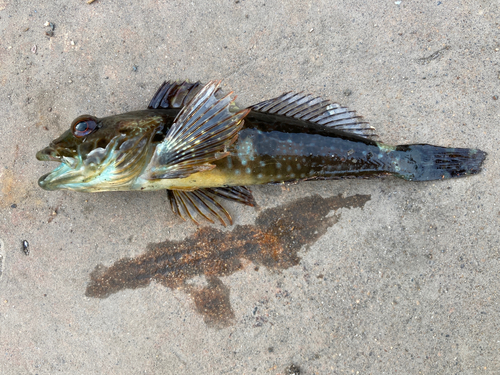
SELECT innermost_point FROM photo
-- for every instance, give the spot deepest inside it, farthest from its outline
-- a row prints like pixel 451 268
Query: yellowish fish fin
pixel 196 203
pixel 175 94
pixel 200 134
pixel 316 110
pixel 239 194
pixel 201 203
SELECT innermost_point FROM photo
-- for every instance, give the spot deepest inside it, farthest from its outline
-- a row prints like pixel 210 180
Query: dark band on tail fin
pixel 426 162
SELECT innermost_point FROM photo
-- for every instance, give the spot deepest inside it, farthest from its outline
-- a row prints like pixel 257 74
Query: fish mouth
pixel 102 169
pixel 62 177
pixel 48 154
pixel 44 182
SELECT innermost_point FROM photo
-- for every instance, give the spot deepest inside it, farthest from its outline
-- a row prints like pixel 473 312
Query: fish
pixel 194 142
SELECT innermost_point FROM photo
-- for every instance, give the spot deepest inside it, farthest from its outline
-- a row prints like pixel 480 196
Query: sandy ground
pixel 398 277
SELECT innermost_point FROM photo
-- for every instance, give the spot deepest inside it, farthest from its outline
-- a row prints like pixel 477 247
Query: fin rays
pixel 200 135
pixel 201 202
pixel 174 94
pixel 316 110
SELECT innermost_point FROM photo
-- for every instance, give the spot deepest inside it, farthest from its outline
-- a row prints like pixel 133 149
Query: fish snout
pixel 48 154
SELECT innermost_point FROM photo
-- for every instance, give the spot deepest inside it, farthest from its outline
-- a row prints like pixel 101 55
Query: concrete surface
pixel 405 282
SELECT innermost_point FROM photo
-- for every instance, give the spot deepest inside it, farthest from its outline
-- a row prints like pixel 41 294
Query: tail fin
pixel 426 162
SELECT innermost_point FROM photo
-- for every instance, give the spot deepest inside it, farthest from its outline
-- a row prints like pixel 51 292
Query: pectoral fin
pixel 201 133
pixel 201 202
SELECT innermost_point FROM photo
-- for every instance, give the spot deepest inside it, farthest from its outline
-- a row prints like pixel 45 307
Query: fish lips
pixel 49 181
pixel 48 154
pixel 61 178
pixel 45 182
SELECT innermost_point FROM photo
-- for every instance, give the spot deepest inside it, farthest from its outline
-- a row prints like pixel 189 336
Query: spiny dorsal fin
pixel 200 134
pixel 201 202
pixel 174 94
pixel 316 110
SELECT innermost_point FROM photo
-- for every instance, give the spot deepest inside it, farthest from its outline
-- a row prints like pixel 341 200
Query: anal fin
pixel 201 202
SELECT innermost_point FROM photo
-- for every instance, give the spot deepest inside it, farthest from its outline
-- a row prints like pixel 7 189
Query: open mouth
pixel 97 168
pixel 61 174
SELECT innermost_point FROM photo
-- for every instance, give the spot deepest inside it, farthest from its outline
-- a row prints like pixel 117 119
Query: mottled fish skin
pixel 269 149
pixel 199 145
pixel 273 148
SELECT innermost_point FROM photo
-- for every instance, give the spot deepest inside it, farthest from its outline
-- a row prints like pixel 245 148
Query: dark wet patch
pixel 274 241
pixel 213 303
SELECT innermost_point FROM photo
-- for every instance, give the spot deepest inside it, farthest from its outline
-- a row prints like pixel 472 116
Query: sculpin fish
pixel 196 144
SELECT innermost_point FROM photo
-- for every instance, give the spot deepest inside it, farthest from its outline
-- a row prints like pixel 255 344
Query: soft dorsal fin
pixel 316 110
pixel 174 94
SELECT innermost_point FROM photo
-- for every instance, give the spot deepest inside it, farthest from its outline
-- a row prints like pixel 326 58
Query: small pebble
pixel 134 68
pixel 495 97
pixel 33 49
pixel 49 33
pixel 72 43
pixel 26 247
pixel 13 205
pixel 292 370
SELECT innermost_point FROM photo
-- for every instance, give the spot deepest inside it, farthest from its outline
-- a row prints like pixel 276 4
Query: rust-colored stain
pixel 12 189
pixel 278 235
pixel 213 303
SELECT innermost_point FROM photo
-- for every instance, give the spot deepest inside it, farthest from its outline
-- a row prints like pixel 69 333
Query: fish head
pixel 101 154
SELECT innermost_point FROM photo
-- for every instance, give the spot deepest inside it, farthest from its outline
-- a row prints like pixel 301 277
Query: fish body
pixel 199 146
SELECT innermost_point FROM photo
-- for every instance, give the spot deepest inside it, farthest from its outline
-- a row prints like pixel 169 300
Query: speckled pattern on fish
pixel 198 145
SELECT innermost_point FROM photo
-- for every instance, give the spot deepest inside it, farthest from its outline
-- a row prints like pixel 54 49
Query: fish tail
pixel 422 162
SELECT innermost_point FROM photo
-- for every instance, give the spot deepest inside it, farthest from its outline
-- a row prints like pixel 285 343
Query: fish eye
pixel 83 126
